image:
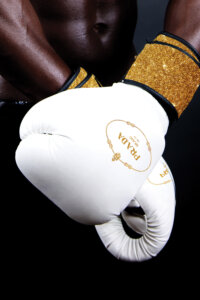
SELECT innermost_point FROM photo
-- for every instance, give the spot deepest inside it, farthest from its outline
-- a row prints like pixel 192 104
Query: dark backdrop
pixel 42 247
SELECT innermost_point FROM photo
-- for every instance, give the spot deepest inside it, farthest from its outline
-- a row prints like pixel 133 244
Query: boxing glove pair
pixel 91 150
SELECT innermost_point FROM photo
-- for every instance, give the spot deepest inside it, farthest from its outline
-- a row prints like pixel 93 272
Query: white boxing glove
pixel 157 199
pixel 90 150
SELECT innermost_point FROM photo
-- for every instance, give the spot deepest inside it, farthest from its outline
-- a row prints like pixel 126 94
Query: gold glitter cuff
pixel 174 42
pixel 91 82
pixel 169 68
pixel 83 79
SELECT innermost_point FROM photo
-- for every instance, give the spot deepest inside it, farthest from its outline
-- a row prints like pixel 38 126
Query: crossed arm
pixel 27 60
pixel 30 64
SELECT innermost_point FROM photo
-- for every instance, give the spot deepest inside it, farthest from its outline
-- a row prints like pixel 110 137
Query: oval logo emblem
pixel 129 145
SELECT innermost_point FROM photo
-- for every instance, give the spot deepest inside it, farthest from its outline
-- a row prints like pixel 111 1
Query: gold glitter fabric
pixel 82 76
pixel 91 83
pixel 168 71
pixel 169 40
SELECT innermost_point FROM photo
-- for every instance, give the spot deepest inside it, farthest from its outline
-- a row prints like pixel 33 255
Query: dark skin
pixel 27 60
pixel 91 33
pixel 183 19
pixel 63 34
pixel 94 34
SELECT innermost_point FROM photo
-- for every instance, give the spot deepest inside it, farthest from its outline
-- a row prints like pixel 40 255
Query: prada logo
pixel 129 145
pixel 164 173
pixel 160 175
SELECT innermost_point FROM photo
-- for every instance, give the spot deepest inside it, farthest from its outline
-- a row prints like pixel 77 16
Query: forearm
pixel 183 19
pixel 27 60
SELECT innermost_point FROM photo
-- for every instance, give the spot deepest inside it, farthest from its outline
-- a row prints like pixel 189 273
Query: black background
pixel 44 248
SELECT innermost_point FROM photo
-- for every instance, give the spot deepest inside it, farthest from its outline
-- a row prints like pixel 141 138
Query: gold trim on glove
pixel 172 72
pixel 90 82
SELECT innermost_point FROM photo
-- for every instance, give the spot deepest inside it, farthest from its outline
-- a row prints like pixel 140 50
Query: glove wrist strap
pixel 169 68
pixel 80 79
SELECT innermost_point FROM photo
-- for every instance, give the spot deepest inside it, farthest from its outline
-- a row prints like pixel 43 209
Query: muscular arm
pixel 27 60
pixel 183 19
pixel 94 34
